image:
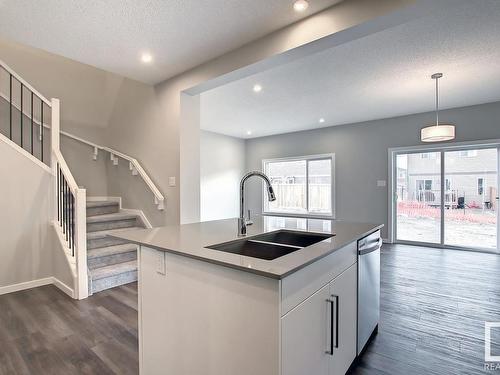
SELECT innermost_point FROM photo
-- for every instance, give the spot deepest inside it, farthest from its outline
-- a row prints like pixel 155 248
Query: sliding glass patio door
pixel 447 197
pixel 418 192
pixel 471 210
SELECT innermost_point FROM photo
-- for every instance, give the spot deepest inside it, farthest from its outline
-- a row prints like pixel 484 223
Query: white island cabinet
pixel 202 319
pixel 211 312
pixel 319 335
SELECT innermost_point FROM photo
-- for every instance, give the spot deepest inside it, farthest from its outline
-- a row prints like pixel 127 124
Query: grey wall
pixel 222 164
pixel 146 122
pixel 88 173
pixel 361 154
pixel 103 108
pixel 26 243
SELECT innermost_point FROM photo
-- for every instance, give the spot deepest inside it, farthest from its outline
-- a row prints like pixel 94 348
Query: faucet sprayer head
pixel 270 194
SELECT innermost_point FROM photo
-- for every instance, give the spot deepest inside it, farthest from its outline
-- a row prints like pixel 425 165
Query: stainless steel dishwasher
pixel 368 287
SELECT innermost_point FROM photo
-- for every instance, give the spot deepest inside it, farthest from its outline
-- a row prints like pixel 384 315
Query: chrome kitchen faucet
pixel 242 224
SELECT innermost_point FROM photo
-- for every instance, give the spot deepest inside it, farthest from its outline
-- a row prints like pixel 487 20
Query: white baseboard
pixel 25 285
pixel 141 214
pixel 66 289
pixel 35 284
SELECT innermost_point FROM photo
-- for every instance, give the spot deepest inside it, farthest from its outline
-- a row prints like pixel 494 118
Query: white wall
pixel 222 164
pixel 25 212
pixel 361 154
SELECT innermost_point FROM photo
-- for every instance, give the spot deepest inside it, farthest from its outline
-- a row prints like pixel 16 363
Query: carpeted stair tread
pixel 111 250
pixel 111 261
pixel 105 233
pixel 113 270
pixel 93 204
pixel 111 217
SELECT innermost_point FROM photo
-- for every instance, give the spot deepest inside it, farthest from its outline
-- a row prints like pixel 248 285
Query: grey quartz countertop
pixel 190 240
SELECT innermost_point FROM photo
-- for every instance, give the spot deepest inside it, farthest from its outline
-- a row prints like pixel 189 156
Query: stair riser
pixel 109 225
pixel 94 211
pixel 105 241
pixel 111 282
pixel 111 259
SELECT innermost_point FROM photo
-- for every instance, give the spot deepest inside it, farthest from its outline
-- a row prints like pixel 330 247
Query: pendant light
pixel 438 132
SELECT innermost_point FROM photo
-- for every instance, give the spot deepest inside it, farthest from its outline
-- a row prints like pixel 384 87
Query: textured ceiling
pixel 112 34
pixel 383 75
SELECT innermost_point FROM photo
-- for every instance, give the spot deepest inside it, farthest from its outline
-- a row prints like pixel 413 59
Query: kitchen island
pixel 214 311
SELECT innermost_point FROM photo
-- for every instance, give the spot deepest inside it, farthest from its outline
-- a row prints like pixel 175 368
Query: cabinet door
pixel 343 293
pixel 304 336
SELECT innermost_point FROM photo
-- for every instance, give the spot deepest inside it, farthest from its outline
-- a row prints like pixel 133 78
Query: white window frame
pixel 438 147
pixel 306 158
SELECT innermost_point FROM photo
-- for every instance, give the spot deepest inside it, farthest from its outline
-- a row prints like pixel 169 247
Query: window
pixel 467 153
pixel 303 186
pixel 447 184
pixel 480 186
pixel 428 155
pixel 424 185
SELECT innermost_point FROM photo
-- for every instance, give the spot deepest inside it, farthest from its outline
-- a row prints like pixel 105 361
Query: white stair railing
pixel 37 121
pixel 25 130
pixel 133 165
pixel 28 130
pixel 71 207
pixel 70 201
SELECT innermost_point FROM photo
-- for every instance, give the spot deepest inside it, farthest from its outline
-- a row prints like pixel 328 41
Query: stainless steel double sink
pixel 271 245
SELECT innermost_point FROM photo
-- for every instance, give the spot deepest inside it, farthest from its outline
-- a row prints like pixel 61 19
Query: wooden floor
pixel 433 307
pixel 44 332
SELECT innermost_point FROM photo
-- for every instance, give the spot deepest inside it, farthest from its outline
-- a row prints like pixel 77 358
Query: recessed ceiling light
pixel 249 132
pixel 146 58
pixel 257 88
pixel 300 5
pixel 321 120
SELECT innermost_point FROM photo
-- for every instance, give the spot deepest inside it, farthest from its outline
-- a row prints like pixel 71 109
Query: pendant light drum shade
pixel 438 132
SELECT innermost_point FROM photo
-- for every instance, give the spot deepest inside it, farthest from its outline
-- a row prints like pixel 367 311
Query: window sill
pixel 303 216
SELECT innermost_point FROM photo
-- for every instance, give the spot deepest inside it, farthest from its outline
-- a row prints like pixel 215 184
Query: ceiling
pixel 383 75
pixel 112 34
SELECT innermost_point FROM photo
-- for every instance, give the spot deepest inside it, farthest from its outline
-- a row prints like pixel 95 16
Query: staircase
pixel 30 123
pixel 111 261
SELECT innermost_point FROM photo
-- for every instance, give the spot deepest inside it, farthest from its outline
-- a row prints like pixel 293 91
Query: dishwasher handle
pixel 364 251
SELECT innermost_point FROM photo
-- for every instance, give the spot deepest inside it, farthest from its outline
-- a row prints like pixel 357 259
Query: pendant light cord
pixel 437 102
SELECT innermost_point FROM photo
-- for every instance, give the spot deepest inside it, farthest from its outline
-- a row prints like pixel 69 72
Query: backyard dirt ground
pixel 457 232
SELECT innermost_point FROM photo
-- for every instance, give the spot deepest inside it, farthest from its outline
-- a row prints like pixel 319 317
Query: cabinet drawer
pixel 305 282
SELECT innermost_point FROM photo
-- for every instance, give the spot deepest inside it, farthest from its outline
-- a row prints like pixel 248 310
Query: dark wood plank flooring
pixel 43 331
pixel 433 307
